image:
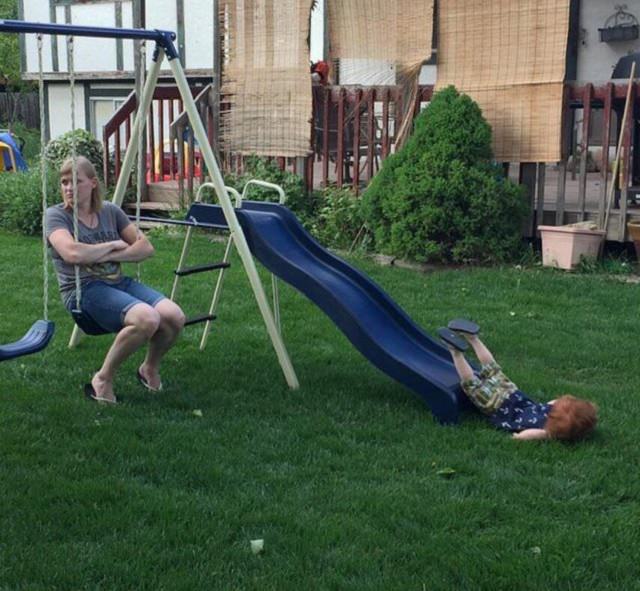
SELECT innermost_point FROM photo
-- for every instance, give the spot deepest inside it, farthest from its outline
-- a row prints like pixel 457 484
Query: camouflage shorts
pixel 489 389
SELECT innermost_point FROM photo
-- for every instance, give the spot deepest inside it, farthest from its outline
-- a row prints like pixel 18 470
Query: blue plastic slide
pixel 369 318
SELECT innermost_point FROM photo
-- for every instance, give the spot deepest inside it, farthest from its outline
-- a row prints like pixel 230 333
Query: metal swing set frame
pixel 165 48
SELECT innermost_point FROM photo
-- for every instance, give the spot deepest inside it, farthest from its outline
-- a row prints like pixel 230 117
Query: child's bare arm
pixel 531 434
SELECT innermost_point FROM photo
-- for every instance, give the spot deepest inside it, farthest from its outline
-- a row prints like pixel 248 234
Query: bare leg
pixel 171 324
pixel 482 353
pixel 141 323
pixel 465 371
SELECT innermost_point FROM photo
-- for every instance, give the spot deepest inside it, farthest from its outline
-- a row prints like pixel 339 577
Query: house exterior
pixel 105 68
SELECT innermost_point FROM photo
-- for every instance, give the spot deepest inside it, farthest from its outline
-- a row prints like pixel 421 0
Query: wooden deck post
pixel 584 149
pixel 528 179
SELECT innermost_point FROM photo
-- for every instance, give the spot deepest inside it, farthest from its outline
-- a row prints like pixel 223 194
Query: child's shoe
pixel 451 338
pixel 464 325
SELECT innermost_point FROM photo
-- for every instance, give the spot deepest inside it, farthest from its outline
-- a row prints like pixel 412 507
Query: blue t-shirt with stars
pixel 518 412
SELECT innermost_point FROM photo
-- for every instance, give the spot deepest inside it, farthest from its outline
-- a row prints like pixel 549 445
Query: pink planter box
pixel 564 246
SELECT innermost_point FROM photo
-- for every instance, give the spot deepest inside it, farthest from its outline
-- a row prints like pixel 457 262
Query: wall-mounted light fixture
pixel 620 26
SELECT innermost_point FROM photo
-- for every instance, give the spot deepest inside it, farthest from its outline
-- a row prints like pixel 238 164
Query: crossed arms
pixel 133 247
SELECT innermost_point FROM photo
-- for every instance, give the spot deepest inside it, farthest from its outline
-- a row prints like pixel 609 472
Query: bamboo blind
pixel 368 32
pixel 399 32
pixel 509 57
pixel 266 77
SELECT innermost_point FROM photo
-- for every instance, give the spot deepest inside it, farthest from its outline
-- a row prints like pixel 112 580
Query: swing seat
pixel 87 324
pixel 36 339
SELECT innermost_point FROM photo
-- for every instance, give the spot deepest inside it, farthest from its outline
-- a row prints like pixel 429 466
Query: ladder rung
pixel 201 269
pixel 198 319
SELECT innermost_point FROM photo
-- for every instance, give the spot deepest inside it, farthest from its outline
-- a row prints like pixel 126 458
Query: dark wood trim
pixel 584 148
pixel 70 2
pixel 114 93
pixel 193 76
pixel 528 174
pixel 55 61
pixel 119 42
pixel 181 32
pixel 47 116
pixel 542 171
pixel 22 41
pixel 86 87
pixel 573 41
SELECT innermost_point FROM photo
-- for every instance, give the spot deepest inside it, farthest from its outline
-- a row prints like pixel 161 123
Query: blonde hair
pixel 571 418
pixel 85 165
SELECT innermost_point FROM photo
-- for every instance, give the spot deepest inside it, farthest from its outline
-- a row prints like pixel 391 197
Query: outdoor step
pixel 163 192
pixel 151 225
pixel 152 206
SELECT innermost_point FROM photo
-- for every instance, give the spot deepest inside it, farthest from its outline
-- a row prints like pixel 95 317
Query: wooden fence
pixel 20 106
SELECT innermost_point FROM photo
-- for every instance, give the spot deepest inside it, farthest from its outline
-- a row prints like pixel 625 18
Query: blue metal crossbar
pixel 163 38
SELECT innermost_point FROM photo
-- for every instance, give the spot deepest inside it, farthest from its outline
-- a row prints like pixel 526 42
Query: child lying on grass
pixel 508 408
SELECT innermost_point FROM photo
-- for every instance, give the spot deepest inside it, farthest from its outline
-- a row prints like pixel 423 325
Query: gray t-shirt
pixel 111 221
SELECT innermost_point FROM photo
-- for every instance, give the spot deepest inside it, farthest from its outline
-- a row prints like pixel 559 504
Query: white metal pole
pixel 216 294
pixel 233 223
pixel 138 127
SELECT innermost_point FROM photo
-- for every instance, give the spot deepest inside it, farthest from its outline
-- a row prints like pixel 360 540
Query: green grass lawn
pixel 340 478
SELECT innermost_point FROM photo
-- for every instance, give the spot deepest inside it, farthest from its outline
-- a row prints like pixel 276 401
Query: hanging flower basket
pixel 619 33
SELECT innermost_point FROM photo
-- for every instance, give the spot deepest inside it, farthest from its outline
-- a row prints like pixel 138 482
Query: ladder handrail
pixel 275 290
pixel 267 185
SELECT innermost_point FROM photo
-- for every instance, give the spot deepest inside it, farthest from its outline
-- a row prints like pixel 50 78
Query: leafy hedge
pixel 332 215
pixel 21 200
pixel 442 198
pixel 338 220
pixel 256 167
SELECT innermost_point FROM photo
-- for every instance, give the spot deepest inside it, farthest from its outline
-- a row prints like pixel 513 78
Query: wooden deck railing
pixel 165 106
pixel 353 130
pixel 349 125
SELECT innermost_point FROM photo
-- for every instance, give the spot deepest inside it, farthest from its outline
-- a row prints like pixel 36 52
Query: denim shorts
pixel 106 304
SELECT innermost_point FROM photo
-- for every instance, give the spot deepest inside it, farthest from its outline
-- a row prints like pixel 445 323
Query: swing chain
pixel 74 158
pixel 43 165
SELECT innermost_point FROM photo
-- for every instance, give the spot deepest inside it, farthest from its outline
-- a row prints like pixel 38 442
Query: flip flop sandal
pixel 451 338
pixel 146 384
pixel 90 393
pixel 464 325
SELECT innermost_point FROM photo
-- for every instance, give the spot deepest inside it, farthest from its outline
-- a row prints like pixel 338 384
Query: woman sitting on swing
pixel 110 301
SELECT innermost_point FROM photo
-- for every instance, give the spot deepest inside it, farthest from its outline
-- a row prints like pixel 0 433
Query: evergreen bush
pixel 442 198
pixel 58 150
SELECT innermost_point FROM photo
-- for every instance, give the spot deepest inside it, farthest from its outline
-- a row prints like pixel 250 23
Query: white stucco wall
pixel 596 59
pixel 100 55
pixel 198 26
pixel 60 108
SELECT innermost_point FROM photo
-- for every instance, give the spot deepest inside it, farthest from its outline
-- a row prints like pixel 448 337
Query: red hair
pixel 571 418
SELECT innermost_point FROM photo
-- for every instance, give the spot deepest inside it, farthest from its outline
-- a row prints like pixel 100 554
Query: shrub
pixel 21 200
pixel 58 150
pixel 442 198
pixel 339 218
pixel 303 205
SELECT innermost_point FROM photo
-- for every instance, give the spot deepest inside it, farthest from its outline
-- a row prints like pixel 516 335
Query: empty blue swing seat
pixel 36 339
